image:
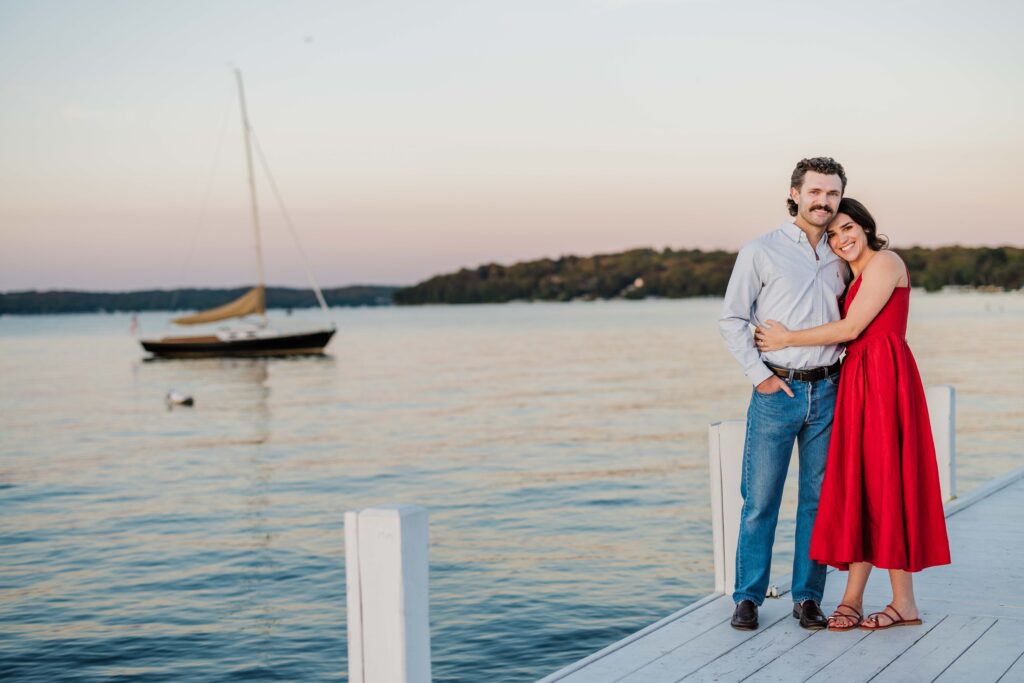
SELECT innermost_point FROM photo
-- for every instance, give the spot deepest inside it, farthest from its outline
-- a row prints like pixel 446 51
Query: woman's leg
pixel 856 580
pixel 902 600
pixel 903 593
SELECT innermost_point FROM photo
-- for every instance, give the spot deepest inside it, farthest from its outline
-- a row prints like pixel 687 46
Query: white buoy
pixel 176 398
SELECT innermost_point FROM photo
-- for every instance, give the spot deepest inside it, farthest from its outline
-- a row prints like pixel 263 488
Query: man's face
pixel 818 198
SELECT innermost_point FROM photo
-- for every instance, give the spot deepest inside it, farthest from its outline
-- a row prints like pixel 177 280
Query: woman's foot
pixel 846 617
pixel 891 616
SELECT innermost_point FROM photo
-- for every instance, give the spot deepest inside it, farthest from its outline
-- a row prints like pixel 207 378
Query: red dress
pixel 880 500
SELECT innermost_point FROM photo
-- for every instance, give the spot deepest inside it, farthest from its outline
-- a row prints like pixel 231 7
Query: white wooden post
pixel 386 580
pixel 725 454
pixel 942 413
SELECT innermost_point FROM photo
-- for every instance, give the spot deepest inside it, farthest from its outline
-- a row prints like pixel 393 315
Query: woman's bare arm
pixel 881 276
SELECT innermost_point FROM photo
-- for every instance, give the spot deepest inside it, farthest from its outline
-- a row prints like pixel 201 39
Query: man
pixel 792 276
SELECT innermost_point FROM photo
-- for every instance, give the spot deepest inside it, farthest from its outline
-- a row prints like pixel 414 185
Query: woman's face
pixel 846 237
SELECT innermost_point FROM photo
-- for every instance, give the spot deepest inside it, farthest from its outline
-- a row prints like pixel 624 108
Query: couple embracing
pixel 868 485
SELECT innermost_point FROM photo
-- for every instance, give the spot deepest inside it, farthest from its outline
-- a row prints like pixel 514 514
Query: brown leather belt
pixel 807 374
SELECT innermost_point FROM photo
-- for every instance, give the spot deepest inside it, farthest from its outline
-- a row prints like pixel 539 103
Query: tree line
pixel 35 302
pixel 633 274
pixel 673 274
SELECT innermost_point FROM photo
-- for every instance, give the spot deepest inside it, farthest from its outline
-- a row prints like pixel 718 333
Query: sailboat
pixel 248 338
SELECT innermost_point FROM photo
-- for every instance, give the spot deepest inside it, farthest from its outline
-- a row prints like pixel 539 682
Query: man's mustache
pixel 822 208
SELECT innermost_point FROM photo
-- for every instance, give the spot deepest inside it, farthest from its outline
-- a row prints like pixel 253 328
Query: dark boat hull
pixel 307 343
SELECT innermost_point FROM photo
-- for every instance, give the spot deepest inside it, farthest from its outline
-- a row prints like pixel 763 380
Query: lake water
pixel 560 448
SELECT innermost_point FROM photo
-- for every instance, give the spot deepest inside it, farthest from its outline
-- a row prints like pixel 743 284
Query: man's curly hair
pixel 824 165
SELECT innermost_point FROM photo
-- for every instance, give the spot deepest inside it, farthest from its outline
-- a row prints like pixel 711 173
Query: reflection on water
pixel 561 450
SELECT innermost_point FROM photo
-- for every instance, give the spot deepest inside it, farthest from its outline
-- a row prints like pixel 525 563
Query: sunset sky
pixel 413 138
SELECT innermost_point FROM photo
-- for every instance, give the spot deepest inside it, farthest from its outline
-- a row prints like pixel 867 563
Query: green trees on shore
pixel 669 273
pixel 933 269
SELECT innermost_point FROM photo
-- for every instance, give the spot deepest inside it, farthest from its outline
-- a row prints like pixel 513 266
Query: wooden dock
pixel 973 612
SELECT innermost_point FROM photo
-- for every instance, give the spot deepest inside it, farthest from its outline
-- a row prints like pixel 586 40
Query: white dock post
pixel 941 400
pixel 386 580
pixel 725 453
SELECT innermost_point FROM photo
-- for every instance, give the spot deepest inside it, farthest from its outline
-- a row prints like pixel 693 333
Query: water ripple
pixel 560 449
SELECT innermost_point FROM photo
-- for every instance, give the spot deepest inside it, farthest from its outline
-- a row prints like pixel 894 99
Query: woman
pixel 880 502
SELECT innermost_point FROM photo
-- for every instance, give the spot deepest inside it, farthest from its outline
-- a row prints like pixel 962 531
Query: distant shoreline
pixel 187 299
pixel 952 289
pixel 633 274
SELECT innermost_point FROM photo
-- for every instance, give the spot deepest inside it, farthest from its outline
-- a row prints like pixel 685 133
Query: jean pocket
pixel 773 393
pixel 833 379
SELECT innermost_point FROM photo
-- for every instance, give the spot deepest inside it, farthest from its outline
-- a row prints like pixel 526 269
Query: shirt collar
pixel 790 230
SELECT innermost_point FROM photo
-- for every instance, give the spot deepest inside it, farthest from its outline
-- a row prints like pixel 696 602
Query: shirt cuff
pixel 759 373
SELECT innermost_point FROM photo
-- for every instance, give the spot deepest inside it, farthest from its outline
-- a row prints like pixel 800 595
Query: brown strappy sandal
pixel 850 623
pixel 898 621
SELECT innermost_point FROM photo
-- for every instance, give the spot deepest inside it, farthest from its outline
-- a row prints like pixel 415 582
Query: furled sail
pixel 252 302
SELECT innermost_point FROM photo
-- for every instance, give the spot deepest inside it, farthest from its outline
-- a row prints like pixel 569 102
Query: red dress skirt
pixel 880 499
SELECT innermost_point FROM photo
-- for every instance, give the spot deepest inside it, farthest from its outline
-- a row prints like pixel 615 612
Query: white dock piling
pixel 942 413
pixel 725 453
pixel 386 580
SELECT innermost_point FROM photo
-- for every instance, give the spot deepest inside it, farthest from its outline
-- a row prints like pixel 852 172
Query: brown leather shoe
pixel 810 615
pixel 745 616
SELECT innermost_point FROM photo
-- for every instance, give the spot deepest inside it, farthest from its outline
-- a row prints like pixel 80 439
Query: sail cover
pixel 253 301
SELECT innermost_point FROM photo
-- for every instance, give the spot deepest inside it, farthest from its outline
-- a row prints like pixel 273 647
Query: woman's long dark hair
pixel 862 217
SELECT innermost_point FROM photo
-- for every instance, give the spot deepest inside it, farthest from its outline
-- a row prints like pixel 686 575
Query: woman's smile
pixel 847 239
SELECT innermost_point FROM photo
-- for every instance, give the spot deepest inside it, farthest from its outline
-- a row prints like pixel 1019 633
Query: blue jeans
pixel 774 421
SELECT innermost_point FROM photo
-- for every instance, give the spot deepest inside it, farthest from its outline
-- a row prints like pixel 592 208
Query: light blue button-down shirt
pixel 777 277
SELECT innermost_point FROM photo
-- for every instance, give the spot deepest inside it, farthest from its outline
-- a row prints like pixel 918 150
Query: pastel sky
pixel 413 138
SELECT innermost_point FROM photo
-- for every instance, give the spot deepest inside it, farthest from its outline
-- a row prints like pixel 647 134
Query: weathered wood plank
pixel 755 653
pixel 963 607
pixel 808 657
pixel 694 654
pixel 985 491
pixel 928 657
pixel 1015 674
pixel 990 656
pixel 628 658
pixel 867 658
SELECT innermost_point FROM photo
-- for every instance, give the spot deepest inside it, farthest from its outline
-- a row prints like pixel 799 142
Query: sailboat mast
pixel 252 177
